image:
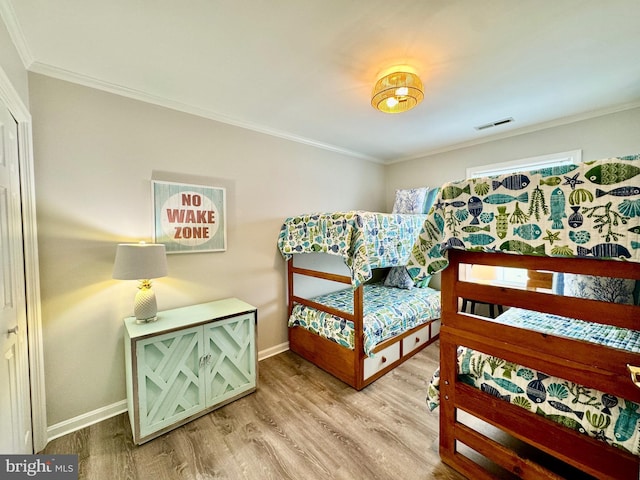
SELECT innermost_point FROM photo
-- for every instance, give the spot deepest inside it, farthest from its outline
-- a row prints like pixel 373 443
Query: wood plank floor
pixel 301 424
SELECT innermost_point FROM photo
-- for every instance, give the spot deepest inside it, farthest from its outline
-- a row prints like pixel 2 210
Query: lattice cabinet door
pixel 170 378
pixel 189 362
pixel 231 358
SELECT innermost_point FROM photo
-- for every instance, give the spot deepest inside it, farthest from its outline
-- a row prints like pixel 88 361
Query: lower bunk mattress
pixel 387 312
pixel 606 417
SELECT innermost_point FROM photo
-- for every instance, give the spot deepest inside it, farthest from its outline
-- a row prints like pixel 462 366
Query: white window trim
pixel 523 164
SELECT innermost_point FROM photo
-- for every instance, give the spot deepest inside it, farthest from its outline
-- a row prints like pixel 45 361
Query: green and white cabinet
pixel 190 361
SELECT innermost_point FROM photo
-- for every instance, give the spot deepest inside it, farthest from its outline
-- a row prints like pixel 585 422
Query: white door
pixel 15 403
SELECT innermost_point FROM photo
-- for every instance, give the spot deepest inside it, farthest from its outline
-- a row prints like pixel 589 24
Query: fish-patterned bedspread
pixel 365 240
pixel 600 415
pixel 388 311
pixel 591 209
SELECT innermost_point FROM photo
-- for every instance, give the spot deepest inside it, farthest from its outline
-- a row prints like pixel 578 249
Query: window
pixel 502 275
pixel 496 275
pixel 525 164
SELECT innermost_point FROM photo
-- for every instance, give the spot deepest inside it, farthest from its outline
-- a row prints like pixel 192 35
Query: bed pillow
pixel 605 289
pixel 557 283
pixel 423 282
pixel 398 277
pixel 430 199
pixel 410 200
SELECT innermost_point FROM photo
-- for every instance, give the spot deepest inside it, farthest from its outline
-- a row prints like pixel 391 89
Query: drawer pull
pixel 635 374
pixel 417 339
pixel 383 359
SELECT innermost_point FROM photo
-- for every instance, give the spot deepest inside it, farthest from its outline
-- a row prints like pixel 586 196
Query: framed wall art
pixel 189 218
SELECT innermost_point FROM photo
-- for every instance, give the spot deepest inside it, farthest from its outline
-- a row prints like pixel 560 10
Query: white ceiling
pixel 304 69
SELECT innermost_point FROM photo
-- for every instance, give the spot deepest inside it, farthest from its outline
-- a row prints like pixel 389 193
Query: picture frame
pixel 189 218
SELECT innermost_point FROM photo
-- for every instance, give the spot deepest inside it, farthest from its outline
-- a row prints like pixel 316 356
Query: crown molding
pixel 521 131
pixel 8 15
pixel 87 81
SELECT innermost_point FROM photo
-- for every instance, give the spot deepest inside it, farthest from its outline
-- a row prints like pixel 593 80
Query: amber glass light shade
pixel 397 92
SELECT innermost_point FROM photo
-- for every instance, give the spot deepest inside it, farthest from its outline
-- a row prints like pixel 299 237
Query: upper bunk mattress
pixel 591 209
pixel 388 311
pixel 365 240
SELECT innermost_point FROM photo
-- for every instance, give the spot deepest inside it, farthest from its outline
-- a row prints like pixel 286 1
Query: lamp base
pixel 146 320
pixel 145 308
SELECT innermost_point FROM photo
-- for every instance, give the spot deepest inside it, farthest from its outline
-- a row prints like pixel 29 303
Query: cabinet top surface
pixel 185 316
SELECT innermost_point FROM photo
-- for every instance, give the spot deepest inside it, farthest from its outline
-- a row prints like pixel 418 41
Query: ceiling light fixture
pixel 397 91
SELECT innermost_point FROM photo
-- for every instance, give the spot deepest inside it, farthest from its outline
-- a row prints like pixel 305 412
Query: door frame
pixel 11 99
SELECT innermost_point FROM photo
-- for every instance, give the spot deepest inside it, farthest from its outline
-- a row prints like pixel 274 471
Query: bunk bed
pixel 373 316
pixel 579 221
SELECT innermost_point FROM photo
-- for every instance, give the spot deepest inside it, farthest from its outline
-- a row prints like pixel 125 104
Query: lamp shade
pixel 397 92
pixel 140 261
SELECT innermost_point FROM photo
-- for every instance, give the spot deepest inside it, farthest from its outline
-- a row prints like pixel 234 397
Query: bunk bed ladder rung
pixel 573 448
pixel 467 467
pixel 502 456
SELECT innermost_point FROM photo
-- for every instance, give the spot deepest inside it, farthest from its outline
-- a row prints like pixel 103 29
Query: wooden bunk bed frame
pixel 353 367
pixel 595 366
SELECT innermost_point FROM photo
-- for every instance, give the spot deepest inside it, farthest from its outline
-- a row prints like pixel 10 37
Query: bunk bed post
pixel 289 286
pixel 358 331
pixel 448 362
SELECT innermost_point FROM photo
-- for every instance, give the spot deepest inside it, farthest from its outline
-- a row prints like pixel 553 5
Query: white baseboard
pixel 86 419
pixel 270 352
pixel 81 421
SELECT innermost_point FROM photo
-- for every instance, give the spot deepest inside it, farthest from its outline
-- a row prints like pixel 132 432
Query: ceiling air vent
pixel 494 124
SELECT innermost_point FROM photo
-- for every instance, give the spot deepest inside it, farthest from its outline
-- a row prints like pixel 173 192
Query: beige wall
pixel 600 137
pixel 95 154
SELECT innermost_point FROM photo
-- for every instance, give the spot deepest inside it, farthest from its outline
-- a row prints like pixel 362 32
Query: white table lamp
pixel 141 261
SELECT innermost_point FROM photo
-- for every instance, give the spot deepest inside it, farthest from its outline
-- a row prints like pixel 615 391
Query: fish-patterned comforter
pixel 600 415
pixel 388 311
pixel 587 210
pixel 365 240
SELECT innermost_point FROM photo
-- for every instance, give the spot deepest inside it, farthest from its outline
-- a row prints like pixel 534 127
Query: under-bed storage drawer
pixel 435 328
pixel 415 340
pixel 381 360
